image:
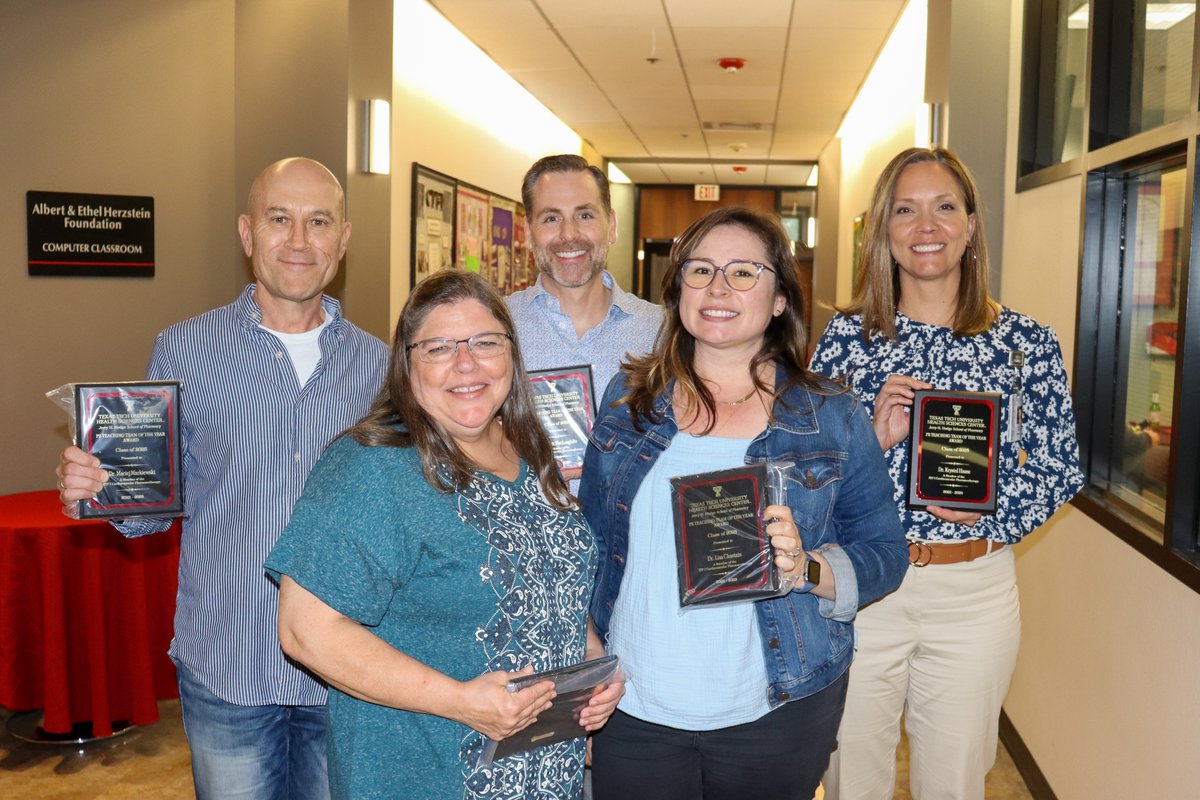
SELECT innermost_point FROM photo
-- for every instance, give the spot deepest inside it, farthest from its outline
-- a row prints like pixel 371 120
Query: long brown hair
pixel 396 419
pixel 785 341
pixel 877 292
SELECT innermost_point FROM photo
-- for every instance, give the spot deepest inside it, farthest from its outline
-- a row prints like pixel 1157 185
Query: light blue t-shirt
pixel 700 668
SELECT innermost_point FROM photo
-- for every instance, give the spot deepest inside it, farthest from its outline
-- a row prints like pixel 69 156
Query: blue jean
pixel 779 756
pixel 253 752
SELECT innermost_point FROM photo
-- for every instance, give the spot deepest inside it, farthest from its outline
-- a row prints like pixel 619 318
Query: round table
pixel 85 618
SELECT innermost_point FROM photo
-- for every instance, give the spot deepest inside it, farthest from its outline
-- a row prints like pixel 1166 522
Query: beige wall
pixel 1106 694
pixel 623 254
pixel 121 97
pixel 827 252
pixel 371 259
pixel 446 139
pixel 862 161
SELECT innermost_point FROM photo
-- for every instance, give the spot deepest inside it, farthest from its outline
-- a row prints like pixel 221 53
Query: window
pixel 1134 325
pixel 1142 66
pixel 1131 383
pixel 1053 68
pixel 1140 75
pixel 1137 349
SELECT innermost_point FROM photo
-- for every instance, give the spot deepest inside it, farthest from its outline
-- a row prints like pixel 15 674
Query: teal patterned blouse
pixel 490 578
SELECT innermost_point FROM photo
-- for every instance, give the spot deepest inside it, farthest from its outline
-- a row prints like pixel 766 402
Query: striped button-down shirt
pixel 251 434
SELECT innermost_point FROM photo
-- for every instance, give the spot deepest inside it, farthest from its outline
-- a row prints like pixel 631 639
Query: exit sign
pixel 708 192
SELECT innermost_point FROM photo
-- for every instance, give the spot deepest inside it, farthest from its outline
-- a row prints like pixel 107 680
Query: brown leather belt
pixel 922 554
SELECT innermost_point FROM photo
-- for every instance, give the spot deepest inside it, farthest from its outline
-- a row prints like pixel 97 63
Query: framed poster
pixel 433 222
pixel 471 228
pixel 501 241
pixel 522 264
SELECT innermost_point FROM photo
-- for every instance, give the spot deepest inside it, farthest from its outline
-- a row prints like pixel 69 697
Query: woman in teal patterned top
pixel 434 554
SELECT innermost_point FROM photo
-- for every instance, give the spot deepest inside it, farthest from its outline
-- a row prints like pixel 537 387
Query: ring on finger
pixel 794 553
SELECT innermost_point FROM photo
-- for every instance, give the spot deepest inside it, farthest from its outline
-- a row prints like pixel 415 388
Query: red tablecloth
pixel 85 616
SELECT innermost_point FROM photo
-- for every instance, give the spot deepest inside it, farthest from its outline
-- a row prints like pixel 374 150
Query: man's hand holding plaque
pixel 133 429
pixel 954 450
pixel 565 402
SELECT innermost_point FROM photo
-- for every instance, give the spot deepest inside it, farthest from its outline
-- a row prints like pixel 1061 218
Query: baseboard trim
pixel 1035 781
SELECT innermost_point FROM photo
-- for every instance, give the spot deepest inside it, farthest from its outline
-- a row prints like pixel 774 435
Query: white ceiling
pixel 639 80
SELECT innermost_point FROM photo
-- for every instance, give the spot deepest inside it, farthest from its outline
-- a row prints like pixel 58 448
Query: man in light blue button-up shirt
pixel 576 313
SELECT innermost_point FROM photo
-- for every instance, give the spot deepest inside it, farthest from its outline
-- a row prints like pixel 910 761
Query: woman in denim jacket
pixel 742 699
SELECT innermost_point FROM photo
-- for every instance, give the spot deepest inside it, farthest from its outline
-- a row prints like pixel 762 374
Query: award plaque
pixel 954 450
pixel 133 428
pixel 565 403
pixel 722 546
pixel 574 687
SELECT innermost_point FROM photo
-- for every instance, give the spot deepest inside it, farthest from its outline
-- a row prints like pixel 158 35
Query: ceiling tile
pixel 589 65
pixel 723 14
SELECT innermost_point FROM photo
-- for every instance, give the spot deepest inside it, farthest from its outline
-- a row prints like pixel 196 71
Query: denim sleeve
pixel 590 482
pixel 590 493
pixel 845 605
pixel 869 537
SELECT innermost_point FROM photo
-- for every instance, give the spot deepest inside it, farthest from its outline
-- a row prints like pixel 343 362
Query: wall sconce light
pixel 377 137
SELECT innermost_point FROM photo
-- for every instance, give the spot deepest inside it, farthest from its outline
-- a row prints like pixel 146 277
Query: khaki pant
pixel 944 645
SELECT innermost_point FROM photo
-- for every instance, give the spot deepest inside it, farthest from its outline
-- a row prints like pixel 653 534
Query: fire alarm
pixel 731 64
pixel 739 170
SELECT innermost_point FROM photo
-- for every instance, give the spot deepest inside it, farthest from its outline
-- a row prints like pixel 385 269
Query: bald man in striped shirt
pixel 267 382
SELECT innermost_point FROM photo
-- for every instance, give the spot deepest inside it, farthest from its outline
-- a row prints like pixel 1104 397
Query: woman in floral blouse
pixel 944 645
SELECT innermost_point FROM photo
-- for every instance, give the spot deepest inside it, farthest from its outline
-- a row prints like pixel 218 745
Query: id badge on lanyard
pixel 1016 360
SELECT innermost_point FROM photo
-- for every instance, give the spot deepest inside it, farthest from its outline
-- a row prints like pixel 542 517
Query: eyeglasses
pixel 742 276
pixel 442 351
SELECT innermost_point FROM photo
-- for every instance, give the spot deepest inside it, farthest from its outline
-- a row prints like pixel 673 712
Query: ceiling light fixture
pixel 731 64
pixel 377 137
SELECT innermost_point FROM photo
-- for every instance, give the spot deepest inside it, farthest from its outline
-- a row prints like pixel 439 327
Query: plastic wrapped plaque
pixel 134 429
pixel 723 551
pixel 565 401
pixel 954 447
pixel 575 686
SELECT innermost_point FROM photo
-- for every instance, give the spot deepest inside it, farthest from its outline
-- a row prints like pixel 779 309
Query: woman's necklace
pixel 740 400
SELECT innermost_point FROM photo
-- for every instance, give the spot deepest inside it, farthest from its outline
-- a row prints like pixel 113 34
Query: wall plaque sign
pixel 106 235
